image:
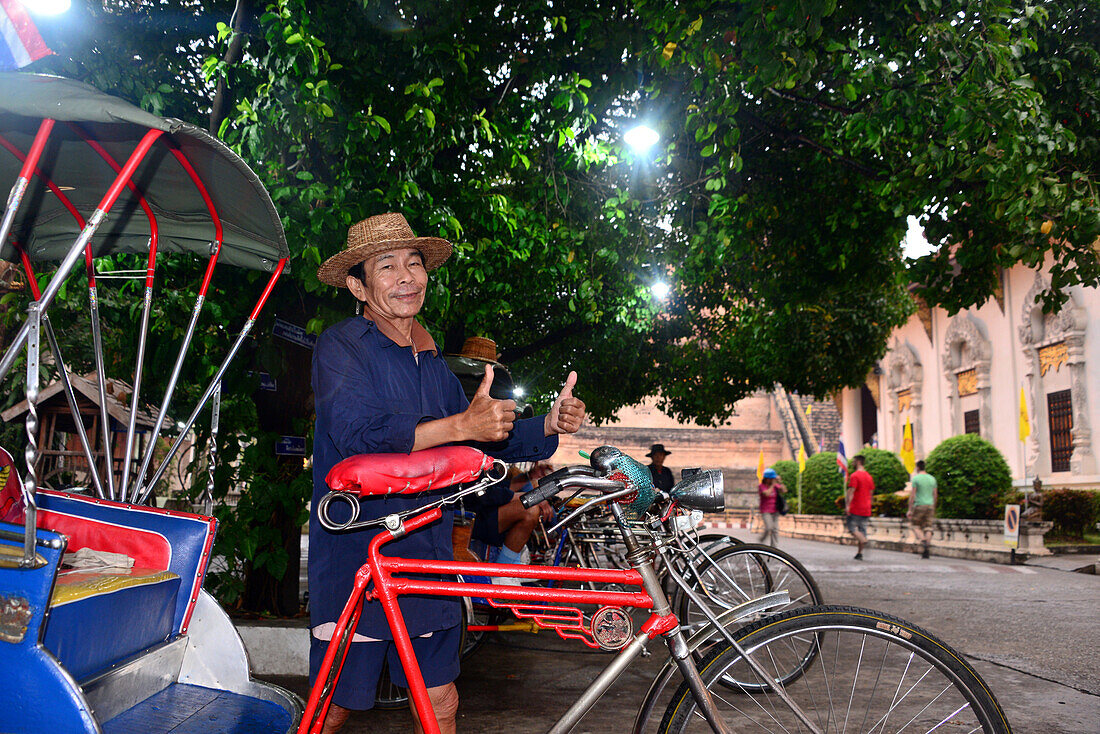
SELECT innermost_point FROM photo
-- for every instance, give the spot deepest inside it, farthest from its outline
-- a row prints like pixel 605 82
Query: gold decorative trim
pixel 905 400
pixel 1052 355
pixel 967 382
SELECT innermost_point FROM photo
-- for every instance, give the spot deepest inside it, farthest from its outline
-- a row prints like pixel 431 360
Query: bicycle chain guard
pixel 611 627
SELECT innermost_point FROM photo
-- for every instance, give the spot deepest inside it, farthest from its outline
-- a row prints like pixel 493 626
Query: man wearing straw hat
pixel 381 386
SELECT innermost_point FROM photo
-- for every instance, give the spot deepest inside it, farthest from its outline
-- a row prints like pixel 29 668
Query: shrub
pixel 886 469
pixel 1073 511
pixel 821 485
pixel 972 475
pixel 788 474
pixel 889 505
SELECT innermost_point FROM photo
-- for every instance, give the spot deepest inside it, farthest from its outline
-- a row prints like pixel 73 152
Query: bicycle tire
pixel 755 570
pixel 920 683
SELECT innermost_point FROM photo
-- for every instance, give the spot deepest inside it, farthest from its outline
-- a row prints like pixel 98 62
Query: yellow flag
pixel 1025 424
pixel 760 467
pixel 907 456
pixel 809 409
pixel 801 458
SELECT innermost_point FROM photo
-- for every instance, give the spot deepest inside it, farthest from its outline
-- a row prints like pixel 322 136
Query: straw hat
pixel 479 348
pixel 375 235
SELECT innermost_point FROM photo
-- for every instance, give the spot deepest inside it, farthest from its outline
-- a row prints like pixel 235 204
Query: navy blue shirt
pixel 370 395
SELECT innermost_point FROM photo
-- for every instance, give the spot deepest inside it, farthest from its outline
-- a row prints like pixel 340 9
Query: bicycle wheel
pixel 874 673
pixel 738 573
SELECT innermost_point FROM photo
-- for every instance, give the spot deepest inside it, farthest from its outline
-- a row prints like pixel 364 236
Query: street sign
pixel 1012 526
pixel 291 446
pixel 294 334
pixel 267 382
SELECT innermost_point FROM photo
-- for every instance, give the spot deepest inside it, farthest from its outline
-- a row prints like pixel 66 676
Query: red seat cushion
pixel 420 471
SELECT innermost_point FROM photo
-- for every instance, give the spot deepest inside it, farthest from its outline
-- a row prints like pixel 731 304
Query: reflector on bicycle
pixel 420 471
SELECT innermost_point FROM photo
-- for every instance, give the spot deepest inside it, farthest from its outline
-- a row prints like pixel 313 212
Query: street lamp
pixel 641 138
pixel 660 290
pixel 47 7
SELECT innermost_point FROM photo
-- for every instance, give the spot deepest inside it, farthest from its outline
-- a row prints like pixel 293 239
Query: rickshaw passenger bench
pixel 101 617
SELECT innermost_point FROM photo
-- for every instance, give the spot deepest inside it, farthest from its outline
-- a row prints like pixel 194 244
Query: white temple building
pixel 964 374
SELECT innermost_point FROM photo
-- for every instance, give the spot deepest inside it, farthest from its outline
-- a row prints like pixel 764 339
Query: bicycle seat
pixel 381 474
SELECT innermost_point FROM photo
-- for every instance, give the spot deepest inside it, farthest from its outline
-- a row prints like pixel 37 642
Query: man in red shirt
pixel 857 503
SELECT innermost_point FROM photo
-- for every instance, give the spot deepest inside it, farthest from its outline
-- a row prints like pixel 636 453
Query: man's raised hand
pixel 567 413
pixel 488 419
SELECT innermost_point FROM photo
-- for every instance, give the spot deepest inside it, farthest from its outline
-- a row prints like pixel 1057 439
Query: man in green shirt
pixel 922 505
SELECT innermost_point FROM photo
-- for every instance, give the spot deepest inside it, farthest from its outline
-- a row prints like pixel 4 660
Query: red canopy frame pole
pixel 214 383
pixel 147 307
pixel 216 249
pixel 79 244
pixel 19 188
pixel 70 396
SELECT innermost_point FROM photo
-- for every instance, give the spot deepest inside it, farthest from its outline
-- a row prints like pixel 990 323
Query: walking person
pixel 770 489
pixel 857 503
pixel 922 506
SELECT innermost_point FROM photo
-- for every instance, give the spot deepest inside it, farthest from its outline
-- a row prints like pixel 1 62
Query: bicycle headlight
pixel 701 491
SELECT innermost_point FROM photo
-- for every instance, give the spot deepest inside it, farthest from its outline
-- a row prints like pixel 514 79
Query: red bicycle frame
pixel 568 622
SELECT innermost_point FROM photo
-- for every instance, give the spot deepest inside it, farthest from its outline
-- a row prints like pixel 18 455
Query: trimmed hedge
pixel 1073 511
pixel 886 469
pixel 972 475
pixel 821 485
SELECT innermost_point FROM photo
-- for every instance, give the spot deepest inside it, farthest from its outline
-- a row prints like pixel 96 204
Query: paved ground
pixel 1033 632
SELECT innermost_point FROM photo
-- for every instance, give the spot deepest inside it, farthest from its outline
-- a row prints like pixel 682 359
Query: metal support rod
pixel 101 387
pixel 212 452
pixel 70 397
pixel 139 478
pixel 215 383
pixel 30 479
pixel 135 402
pixel 217 379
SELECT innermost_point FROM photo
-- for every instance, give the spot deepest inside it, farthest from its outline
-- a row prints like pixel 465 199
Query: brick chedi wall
pixel 734 447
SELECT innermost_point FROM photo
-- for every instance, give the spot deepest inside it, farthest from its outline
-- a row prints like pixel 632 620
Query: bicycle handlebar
pixel 549 487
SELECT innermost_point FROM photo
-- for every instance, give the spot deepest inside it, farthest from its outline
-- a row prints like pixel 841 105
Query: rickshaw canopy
pixel 252 231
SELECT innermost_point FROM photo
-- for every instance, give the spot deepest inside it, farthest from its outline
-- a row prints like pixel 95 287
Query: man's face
pixel 394 283
pixel 659 458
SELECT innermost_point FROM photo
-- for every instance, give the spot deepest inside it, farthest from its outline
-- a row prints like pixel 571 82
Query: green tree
pixel 796 138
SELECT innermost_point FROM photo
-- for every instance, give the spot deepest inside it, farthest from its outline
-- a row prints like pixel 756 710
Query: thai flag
pixel 21 43
pixel 841 459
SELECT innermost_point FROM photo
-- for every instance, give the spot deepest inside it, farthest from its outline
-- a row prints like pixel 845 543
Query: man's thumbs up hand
pixel 567 413
pixel 486 382
pixel 488 419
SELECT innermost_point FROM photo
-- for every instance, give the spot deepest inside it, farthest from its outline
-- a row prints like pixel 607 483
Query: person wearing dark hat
pixel 662 475
pixel 381 386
